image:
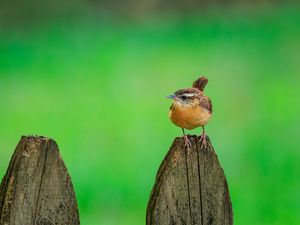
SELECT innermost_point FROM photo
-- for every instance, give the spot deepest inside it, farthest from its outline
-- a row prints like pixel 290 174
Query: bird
pixel 191 108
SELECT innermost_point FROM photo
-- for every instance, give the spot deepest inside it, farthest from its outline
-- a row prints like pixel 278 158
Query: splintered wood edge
pixel 179 141
pixel 36 138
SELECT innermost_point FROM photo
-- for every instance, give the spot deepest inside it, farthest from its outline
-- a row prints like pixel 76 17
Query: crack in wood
pixel 188 182
pixel 200 189
pixel 41 182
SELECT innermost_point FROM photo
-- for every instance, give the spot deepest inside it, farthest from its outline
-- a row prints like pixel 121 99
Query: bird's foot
pixel 203 140
pixel 187 142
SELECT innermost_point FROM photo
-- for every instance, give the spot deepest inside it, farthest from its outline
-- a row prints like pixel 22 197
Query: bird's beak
pixel 172 96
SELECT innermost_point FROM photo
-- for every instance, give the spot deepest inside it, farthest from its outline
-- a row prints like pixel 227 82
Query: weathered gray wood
pixel 190 188
pixel 37 188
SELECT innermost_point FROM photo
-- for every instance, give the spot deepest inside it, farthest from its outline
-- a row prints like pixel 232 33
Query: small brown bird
pixel 191 109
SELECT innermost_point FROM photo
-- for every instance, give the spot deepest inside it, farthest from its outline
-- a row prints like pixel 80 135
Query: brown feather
pixel 205 102
pixel 200 83
pixel 187 91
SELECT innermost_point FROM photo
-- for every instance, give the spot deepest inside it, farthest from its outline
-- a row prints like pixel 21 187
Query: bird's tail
pixel 200 83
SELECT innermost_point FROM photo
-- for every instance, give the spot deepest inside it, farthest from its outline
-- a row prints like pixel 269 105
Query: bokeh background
pixel 93 75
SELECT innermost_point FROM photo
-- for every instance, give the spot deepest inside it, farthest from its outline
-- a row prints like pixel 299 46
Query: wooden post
pixel 190 188
pixel 37 188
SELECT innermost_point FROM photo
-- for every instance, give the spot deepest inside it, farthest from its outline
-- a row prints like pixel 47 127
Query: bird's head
pixel 185 96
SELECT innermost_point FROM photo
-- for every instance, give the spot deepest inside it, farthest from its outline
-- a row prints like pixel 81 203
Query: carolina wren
pixel 191 109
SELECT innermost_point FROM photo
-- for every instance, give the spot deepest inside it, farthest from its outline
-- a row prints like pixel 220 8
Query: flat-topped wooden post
pixel 37 189
pixel 190 188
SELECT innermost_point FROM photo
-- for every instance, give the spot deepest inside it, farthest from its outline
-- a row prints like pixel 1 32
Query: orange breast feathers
pixel 189 116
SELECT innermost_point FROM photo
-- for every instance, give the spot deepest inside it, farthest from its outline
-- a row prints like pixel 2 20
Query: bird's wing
pixel 205 102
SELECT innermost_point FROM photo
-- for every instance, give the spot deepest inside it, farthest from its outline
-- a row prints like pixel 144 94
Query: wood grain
pixel 190 188
pixel 37 188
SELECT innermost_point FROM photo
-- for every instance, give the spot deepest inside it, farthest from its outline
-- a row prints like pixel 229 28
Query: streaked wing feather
pixel 206 103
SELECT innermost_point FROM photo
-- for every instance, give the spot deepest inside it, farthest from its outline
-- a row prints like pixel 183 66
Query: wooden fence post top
pixel 190 188
pixel 37 188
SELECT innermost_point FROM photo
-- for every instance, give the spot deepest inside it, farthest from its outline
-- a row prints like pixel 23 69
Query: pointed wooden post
pixel 190 188
pixel 37 188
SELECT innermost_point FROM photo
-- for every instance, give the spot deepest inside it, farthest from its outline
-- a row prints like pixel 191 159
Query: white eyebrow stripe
pixel 189 94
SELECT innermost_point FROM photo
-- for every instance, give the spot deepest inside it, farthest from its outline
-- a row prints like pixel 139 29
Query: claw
pixel 187 142
pixel 203 140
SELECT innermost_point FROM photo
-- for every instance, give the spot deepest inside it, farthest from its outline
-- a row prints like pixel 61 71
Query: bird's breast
pixel 189 116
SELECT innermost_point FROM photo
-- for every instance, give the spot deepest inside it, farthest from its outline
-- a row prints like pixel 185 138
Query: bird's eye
pixel 184 97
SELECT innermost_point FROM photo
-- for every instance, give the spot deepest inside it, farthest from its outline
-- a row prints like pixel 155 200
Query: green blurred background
pixel 94 76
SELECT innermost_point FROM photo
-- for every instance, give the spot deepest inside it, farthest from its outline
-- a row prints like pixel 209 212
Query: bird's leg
pixel 187 142
pixel 203 137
